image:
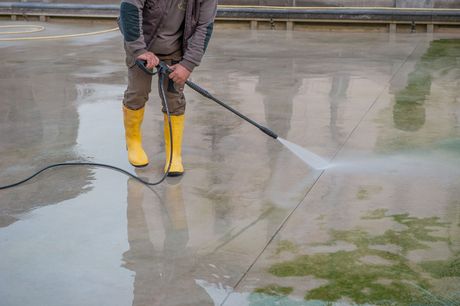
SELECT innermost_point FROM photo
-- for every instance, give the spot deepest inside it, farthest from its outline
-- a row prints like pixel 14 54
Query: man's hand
pixel 180 74
pixel 151 59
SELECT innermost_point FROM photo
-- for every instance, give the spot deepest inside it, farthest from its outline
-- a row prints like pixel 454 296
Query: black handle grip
pixel 141 64
pixel 160 67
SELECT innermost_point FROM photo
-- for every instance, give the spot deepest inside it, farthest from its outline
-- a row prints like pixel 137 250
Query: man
pixel 176 32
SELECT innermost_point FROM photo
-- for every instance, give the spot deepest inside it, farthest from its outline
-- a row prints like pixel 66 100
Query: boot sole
pixel 175 174
pixel 140 166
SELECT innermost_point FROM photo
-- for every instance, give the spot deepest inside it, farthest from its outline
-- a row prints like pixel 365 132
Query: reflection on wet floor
pixel 158 253
pixel 249 224
pixel 440 62
pixel 42 134
pixel 384 258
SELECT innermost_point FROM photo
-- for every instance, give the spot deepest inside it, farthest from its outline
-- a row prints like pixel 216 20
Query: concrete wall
pixel 352 3
pixel 340 3
pixel 319 3
pixel 428 3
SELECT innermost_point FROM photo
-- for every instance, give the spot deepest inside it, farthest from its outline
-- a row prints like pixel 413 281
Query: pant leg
pixel 139 87
pixel 174 92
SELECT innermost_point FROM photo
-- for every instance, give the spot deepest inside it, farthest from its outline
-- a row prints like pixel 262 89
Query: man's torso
pixel 169 36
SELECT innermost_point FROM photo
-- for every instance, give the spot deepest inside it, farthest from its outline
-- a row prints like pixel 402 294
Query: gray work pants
pixel 140 85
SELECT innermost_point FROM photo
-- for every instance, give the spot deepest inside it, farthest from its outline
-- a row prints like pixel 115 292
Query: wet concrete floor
pixel 248 224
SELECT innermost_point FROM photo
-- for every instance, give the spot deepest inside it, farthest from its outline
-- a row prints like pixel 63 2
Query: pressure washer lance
pixel 162 70
pixel 205 93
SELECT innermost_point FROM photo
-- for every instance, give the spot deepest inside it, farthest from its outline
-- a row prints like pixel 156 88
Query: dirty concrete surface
pixel 249 223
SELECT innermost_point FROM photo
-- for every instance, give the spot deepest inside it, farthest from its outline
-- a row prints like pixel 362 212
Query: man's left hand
pixel 179 74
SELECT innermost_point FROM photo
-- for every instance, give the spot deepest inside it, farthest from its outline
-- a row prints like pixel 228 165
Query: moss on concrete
pixel 348 277
pixel 286 246
pixel 365 192
pixel 414 236
pixel 385 277
pixel 262 299
pixel 375 214
pixel 274 290
pixel 441 268
pixel 362 194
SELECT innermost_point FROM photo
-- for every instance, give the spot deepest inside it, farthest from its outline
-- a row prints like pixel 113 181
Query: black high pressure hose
pixel 162 71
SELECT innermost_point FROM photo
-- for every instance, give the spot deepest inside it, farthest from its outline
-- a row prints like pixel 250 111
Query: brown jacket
pixel 140 20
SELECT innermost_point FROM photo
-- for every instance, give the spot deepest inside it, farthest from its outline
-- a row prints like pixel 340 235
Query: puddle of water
pixel 305 155
pixel 65 250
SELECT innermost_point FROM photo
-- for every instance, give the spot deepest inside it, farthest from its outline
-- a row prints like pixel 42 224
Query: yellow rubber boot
pixel 177 123
pixel 133 121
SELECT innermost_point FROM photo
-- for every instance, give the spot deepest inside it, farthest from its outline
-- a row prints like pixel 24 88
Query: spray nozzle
pixel 268 131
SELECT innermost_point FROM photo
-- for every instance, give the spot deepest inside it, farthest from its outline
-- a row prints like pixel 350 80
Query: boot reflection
pixel 176 222
pixel 158 235
pixel 141 256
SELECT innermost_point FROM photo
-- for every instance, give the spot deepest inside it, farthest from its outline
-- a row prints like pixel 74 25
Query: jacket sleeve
pixel 198 42
pixel 130 23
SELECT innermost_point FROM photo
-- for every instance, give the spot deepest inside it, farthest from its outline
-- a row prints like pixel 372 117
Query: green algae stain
pixel 274 290
pixel 375 293
pixel 440 268
pixel 262 299
pixel 362 194
pixel 414 236
pixel 348 277
pixel 286 246
pixel 365 192
pixel 375 214
pixel 384 277
pixel 417 233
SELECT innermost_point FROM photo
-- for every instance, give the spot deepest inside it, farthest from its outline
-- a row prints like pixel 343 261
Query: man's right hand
pixel 152 59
